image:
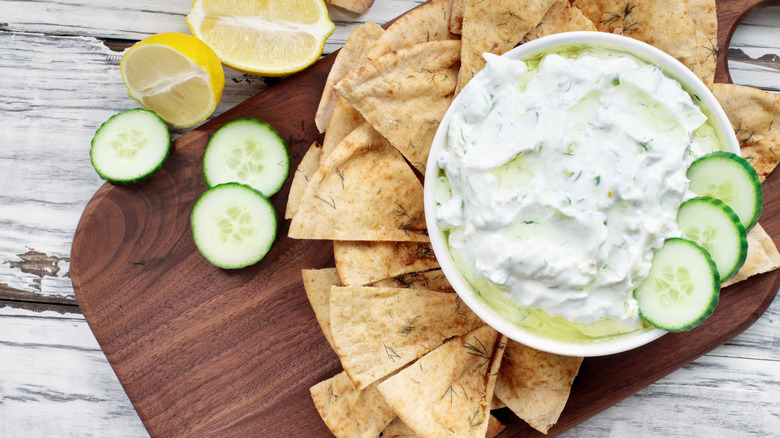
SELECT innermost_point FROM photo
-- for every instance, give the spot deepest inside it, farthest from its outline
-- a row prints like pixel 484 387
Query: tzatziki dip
pixel 560 175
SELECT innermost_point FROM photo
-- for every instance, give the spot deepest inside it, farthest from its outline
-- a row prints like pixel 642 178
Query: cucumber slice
pixel 714 225
pixel 130 146
pixel 682 288
pixel 247 151
pixel 730 178
pixel 233 225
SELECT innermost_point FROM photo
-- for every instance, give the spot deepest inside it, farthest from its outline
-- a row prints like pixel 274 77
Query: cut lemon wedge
pixel 268 38
pixel 175 75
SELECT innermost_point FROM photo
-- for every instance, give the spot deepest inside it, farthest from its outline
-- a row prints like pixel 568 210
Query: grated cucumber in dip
pixel 560 176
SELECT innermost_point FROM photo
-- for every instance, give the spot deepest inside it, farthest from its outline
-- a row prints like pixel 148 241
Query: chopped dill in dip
pixel 559 178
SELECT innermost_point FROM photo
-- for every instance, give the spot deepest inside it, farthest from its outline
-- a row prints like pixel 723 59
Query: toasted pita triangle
pixel 363 190
pixel 755 116
pixel 428 22
pixel 343 121
pixel 448 391
pixel 350 413
pixel 429 280
pixel 535 385
pixel 377 331
pixel 353 55
pixel 405 94
pixel 495 26
pixel 301 177
pixel 665 24
pixel 762 256
pixel 561 17
pixel 317 283
pixel 398 429
pixel 361 263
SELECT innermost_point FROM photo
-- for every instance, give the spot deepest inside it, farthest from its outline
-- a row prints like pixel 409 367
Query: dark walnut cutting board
pixel 202 351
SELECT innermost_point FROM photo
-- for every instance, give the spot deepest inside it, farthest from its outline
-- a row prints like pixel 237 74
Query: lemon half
pixel 268 38
pixel 175 75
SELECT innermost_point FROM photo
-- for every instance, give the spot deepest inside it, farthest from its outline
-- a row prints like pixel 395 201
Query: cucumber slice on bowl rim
pixel 730 178
pixel 233 225
pixel 682 288
pixel 247 151
pixel 714 225
pixel 130 146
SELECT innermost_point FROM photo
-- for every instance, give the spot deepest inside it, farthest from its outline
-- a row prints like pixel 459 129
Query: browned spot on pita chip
pixel 363 190
pixel 350 413
pixel 495 26
pixel 448 391
pixel 456 16
pixel 535 385
pixel 301 177
pixel 353 55
pixel 429 22
pixel 377 331
pixel 405 94
pixel 361 263
pixel 755 116
pixel 762 256
pixel 561 17
pixel 317 283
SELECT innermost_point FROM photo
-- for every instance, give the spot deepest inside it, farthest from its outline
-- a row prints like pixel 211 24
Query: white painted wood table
pixel 59 79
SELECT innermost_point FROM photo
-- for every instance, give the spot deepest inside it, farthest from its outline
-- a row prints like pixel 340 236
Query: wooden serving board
pixel 202 351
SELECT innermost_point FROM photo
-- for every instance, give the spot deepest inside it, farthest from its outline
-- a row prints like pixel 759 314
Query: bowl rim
pixel 672 67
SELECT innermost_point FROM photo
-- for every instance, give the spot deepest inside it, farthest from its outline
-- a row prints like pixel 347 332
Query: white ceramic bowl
pixel 617 344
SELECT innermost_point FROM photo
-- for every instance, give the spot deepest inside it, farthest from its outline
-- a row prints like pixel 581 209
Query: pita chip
pixel 755 117
pixel 456 16
pixel 358 6
pixel 405 94
pixel 361 263
pixel 561 17
pixel 495 26
pixel 397 429
pixel 428 22
pixel 317 283
pixel 448 391
pixel 343 121
pixel 350 413
pixel 665 24
pixel 301 177
pixel 363 190
pixel 535 385
pixel 377 331
pixel 353 55
pixel 762 256
pixel 430 280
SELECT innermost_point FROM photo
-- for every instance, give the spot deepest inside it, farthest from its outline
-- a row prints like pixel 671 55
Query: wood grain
pixel 202 351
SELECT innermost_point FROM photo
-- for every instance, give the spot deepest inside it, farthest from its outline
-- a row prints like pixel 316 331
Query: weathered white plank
pixel 55 380
pixel 134 21
pixel 712 397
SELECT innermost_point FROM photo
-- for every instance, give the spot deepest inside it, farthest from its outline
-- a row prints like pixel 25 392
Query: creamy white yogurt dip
pixel 561 175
